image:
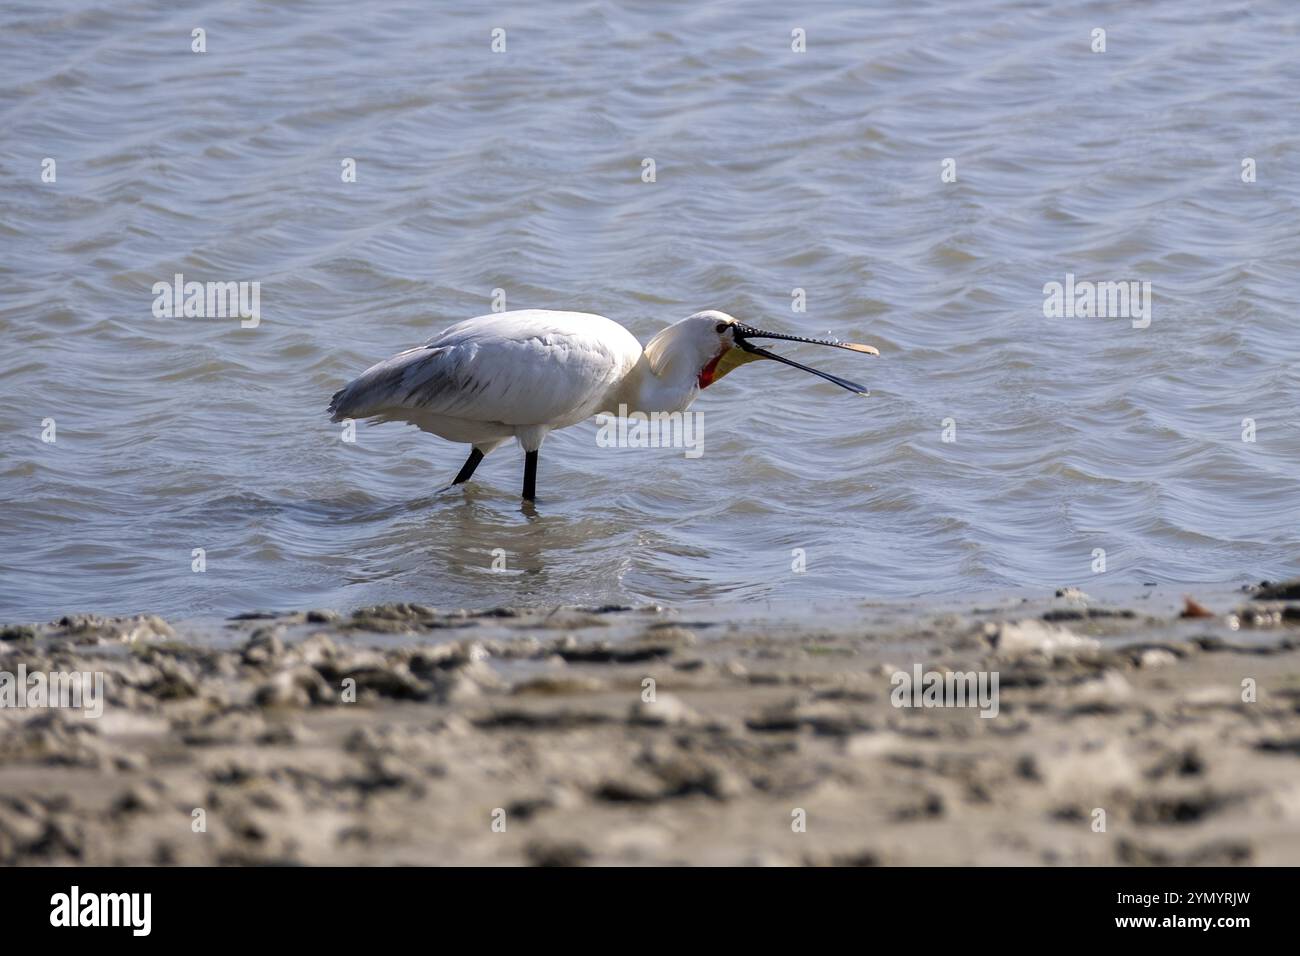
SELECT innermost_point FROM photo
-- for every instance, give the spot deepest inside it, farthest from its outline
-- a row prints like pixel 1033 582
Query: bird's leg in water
pixel 467 471
pixel 530 476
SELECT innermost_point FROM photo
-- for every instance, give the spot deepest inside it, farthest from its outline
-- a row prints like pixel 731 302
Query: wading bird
pixel 522 374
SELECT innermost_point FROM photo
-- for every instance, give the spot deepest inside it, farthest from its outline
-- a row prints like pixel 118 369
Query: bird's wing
pixel 520 368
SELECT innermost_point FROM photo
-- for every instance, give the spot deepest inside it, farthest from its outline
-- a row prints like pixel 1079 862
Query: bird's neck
pixel 663 380
pixel 670 387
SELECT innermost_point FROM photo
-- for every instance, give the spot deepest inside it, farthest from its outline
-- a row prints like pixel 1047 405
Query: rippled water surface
pixel 522 171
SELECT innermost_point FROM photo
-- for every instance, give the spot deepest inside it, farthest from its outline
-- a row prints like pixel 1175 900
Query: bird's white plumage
pixel 489 378
pixel 523 374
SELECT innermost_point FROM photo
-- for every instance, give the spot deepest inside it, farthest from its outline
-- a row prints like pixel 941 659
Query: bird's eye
pixel 722 327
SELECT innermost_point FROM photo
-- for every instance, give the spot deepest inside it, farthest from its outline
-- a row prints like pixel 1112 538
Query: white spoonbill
pixel 522 374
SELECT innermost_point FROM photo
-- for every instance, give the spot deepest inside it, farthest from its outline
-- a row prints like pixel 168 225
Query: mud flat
pixel 1123 734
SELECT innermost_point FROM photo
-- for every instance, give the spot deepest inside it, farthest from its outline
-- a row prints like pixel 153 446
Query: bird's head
pixel 718 343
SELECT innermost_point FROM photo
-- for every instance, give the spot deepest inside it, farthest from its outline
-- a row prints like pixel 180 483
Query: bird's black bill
pixel 743 333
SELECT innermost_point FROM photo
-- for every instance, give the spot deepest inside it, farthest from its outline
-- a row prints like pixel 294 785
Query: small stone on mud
pixel 665 709
pixel 1016 638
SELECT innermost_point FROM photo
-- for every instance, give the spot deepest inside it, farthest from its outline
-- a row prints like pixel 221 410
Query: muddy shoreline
pixel 603 736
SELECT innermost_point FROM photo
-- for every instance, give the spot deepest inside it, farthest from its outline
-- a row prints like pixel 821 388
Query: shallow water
pixel 522 171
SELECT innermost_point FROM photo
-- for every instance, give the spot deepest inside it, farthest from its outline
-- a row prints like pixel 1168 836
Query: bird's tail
pixel 336 405
pixel 380 387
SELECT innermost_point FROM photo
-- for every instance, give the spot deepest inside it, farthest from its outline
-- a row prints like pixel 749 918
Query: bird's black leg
pixel 467 471
pixel 530 476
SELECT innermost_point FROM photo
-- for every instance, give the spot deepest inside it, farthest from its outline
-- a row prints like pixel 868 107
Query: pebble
pixel 1015 638
pixel 263 648
pixel 552 685
pixel 1279 591
pixel 1156 657
pixel 295 687
pixel 664 710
